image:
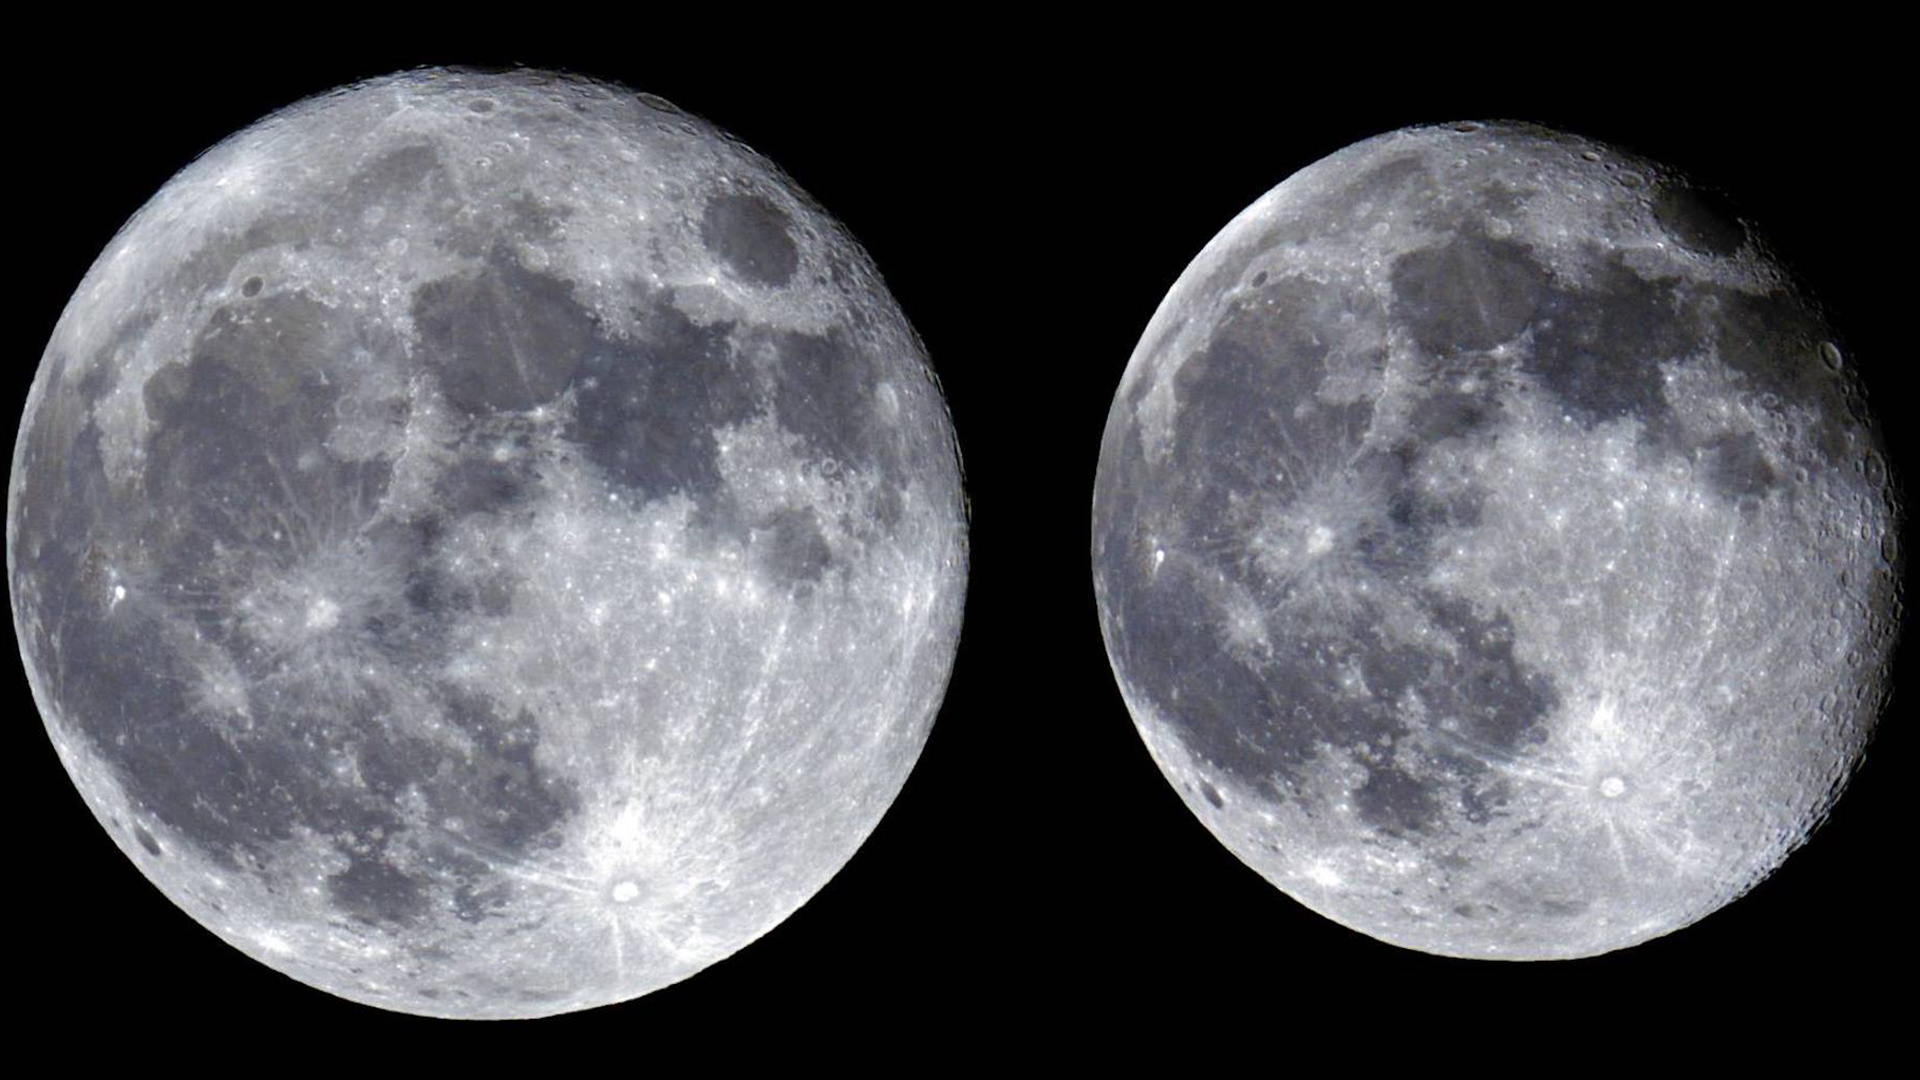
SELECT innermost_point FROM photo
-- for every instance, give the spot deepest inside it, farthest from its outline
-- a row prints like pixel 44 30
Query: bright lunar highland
pixel 486 545
pixel 1494 547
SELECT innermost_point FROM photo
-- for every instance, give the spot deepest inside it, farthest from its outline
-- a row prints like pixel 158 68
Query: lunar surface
pixel 486 545
pixel 1494 547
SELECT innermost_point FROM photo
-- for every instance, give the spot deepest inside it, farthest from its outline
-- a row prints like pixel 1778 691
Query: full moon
pixel 486 545
pixel 1494 547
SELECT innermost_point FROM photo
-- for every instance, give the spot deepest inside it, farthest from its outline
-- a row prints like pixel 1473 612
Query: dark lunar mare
pixel 238 481
pixel 1250 409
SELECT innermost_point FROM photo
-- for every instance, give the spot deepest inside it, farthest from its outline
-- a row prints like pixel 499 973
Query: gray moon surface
pixel 1494 545
pixel 486 545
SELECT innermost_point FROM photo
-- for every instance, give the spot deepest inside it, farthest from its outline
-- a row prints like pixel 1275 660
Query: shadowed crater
pixel 1699 218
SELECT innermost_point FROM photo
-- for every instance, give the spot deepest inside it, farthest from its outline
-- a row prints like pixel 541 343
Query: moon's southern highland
pixel 486 544
pixel 1494 547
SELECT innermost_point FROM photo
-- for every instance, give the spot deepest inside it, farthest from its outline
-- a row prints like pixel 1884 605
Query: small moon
pixel 1493 545
pixel 486 545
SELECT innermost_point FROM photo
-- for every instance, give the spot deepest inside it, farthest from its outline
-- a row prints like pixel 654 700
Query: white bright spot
pixel 625 892
pixel 1613 787
pixel 1322 874
pixel 1320 540
pixel 323 615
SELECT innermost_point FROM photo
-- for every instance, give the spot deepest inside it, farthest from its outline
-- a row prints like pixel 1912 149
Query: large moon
pixel 1494 547
pixel 486 545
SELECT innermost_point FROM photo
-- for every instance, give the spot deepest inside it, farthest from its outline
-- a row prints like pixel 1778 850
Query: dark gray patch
pixel 1736 468
pixel 1357 204
pixel 237 464
pixel 1562 909
pixel 795 550
pixel 1264 723
pixel 1169 645
pixel 1772 340
pixel 475 903
pixel 1484 799
pixel 391 179
pixel 504 340
pixel 1699 218
pixel 823 391
pixel 434 592
pixel 1395 803
pixel 229 795
pixel 1249 405
pixel 534 220
pixel 374 891
pixel 1497 199
pixel 409 630
pixel 493 596
pixel 508 801
pixel 126 694
pixel 648 411
pixel 1211 794
pixel 750 234
pixel 1470 293
pixel 1499 704
pixel 221 252
pixel 252 287
pixel 477 484
pixel 238 449
pixel 1598 349
pixel 1248 408
pixel 146 840
pixel 1396 542
pixel 1451 414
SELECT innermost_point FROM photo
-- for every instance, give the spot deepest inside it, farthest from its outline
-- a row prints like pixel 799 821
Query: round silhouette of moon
pixel 486 544
pixel 1493 545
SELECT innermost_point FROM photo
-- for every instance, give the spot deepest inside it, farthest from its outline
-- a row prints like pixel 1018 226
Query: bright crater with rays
pixel 486 544
pixel 1494 546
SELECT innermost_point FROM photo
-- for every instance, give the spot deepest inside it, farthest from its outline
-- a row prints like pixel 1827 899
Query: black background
pixel 1029 197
